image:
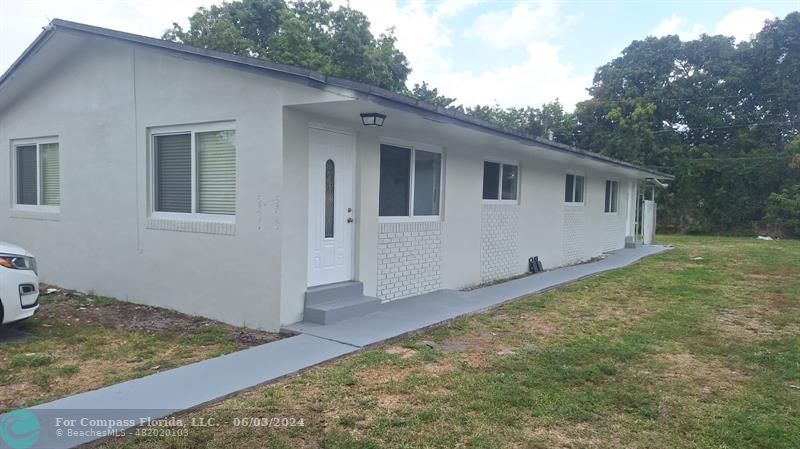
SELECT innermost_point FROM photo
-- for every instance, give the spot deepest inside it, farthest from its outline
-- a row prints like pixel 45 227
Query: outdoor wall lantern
pixel 372 119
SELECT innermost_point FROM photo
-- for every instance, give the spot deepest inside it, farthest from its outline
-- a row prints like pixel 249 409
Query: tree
pixel 722 116
pixel 431 95
pixel 310 34
pixel 716 114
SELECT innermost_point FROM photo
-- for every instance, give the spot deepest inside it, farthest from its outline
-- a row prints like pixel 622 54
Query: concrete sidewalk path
pixel 167 393
pixel 407 315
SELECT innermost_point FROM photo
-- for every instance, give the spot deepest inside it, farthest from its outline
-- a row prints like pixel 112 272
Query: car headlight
pixel 16 262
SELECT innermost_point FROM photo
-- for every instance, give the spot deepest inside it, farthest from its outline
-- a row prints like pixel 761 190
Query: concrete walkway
pixel 400 317
pixel 191 386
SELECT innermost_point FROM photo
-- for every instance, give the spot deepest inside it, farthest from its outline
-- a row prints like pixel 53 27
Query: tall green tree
pixel 310 34
pixel 431 95
pixel 715 113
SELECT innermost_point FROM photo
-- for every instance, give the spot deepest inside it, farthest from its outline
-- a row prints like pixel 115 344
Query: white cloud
pixel 426 30
pixel 523 23
pixel 427 38
pixel 22 20
pixel 743 23
pixel 540 78
pixel 677 25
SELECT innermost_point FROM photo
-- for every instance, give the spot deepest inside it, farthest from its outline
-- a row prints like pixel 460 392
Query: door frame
pixel 315 127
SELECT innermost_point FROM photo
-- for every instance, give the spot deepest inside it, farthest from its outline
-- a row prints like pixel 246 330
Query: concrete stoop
pixel 327 304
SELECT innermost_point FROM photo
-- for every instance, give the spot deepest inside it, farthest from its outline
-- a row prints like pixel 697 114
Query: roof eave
pixel 360 90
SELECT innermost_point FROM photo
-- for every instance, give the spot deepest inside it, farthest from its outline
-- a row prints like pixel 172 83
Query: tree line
pixel 722 116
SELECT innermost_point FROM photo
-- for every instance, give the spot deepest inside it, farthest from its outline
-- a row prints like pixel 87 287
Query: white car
pixel 19 284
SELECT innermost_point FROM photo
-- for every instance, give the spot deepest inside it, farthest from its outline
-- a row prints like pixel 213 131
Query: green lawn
pixel 696 347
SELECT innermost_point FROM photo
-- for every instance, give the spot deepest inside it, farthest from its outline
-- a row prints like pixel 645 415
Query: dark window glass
pixel 330 173
pixel 427 179
pixel 173 154
pixel 569 188
pixel 510 173
pixel 614 189
pixel 491 180
pixel 395 181
pixel 26 175
pixel 579 189
pixel 608 196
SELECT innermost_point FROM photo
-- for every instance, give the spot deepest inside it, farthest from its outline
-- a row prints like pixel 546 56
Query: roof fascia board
pixel 33 48
pixel 315 79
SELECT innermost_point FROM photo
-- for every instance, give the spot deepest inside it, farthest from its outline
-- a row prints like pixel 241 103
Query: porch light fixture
pixel 372 118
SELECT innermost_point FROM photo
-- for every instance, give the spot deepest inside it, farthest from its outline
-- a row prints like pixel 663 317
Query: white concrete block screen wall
pixel 209 183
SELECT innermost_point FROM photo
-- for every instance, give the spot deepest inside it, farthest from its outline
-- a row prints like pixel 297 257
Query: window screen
pixel 395 181
pixel 579 184
pixel 26 175
pixel 569 189
pixel 51 184
pixel 216 173
pixel 509 182
pixel 173 173
pixel 427 174
pixel 611 196
pixel 491 180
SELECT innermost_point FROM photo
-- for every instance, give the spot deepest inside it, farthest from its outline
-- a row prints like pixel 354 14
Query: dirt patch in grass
pixel 469 343
pixel 754 324
pixel 403 353
pixel 703 376
pixel 71 309
pixel 540 326
pixel 381 374
pixel 81 342
pixel 576 436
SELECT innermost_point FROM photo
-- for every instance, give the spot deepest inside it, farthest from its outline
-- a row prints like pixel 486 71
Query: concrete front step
pixel 326 293
pixel 340 309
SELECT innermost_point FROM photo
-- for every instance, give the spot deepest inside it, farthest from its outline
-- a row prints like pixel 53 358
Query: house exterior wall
pixel 476 242
pixel 100 104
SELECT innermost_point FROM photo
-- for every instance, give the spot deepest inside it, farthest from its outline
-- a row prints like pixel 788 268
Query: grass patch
pixel 697 347
pixel 81 343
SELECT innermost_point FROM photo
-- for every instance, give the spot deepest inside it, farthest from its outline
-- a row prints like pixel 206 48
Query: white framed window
pixel 410 183
pixel 612 191
pixel 36 174
pixel 574 189
pixel 193 172
pixel 500 182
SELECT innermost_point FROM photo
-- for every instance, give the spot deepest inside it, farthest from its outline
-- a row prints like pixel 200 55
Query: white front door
pixel 331 196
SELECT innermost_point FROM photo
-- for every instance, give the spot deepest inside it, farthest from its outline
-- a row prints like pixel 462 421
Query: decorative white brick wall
pixel 409 259
pixel 198 227
pixel 574 234
pixel 613 233
pixel 500 242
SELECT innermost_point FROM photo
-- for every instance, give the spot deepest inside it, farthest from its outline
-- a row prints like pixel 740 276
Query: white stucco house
pixel 233 188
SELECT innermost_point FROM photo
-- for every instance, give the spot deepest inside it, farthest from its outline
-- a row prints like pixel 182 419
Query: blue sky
pixel 513 53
